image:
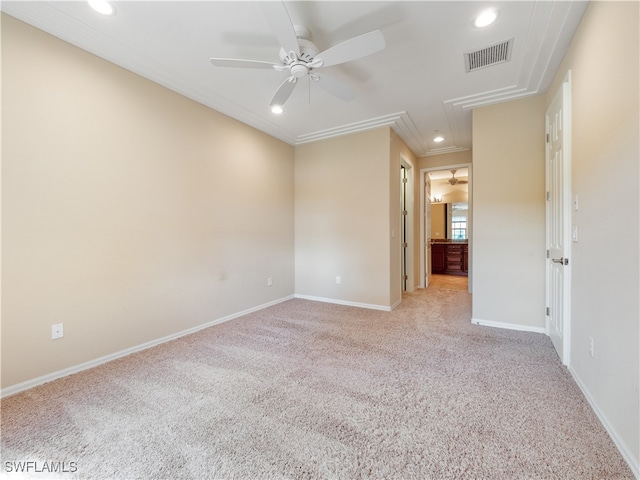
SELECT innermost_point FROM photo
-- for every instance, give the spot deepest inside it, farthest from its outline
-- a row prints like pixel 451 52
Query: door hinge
pixel 405 180
pixel 548 196
pixel 547 311
pixel 547 138
pixel 547 253
pixel 405 277
pixel 404 212
pixel 405 244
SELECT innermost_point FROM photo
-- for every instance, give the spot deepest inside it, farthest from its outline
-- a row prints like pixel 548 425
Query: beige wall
pixel 342 224
pixel 509 214
pixel 129 212
pixel 604 63
pixel 455 196
pixel 438 226
pixel 445 159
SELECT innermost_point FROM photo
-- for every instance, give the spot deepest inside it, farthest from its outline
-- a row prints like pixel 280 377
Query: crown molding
pixel 401 123
pixel 355 127
pixel 441 151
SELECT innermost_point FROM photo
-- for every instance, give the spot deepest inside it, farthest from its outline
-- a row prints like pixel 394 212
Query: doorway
pixel 446 229
pixel 407 228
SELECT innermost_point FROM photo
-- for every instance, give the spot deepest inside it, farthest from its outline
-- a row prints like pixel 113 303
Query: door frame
pixel 410 206
pixel 424 219
pixel 565 91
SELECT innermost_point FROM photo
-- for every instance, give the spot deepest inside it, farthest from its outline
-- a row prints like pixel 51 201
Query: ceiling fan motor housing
pixel 308 51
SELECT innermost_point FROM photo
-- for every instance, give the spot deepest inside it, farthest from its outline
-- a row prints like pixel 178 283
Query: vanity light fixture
pixel 486 18
pixel 102 7
pixel 277 109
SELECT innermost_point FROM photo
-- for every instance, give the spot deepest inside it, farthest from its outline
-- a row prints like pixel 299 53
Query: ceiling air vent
pixel 491 55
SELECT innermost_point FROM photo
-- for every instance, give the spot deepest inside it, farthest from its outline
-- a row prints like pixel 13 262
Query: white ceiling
pixel 417 85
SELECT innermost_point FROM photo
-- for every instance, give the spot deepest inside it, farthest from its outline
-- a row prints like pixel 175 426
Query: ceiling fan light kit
pixel 301 58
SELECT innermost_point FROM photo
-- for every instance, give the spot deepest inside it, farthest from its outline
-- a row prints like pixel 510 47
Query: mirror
pixel 449 221
pixel 457 220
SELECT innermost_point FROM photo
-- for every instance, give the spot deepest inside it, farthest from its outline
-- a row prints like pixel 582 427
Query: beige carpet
pixel 306 390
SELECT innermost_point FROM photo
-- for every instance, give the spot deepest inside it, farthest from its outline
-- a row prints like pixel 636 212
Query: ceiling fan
pixel 455 181
pixel 300 58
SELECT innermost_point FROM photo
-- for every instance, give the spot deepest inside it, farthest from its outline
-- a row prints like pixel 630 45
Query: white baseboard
pixel 348 303
pixel 508 326
pixel 13 389
pixel 634 463
pixel 395 304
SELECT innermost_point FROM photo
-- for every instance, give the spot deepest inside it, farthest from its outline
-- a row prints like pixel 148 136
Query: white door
pixel 558 182
pixel 427 229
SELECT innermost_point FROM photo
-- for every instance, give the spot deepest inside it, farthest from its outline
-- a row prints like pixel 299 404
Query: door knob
pixel 561 260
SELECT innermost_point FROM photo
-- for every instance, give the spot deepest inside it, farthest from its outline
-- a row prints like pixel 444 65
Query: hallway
pixel 448 282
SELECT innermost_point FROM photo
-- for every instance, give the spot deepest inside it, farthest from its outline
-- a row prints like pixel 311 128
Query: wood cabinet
pixel 438 254
pixel 450 258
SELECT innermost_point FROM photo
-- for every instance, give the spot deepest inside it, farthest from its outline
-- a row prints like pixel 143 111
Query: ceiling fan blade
pixel 280 22
pixel 354 48
pixel 335 87
pixel 284 91
pixel 240 63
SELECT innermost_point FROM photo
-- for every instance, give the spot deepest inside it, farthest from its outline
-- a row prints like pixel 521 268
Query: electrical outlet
pixel 591 346
pixel 269 282
pixel 57 331
pixel 338 280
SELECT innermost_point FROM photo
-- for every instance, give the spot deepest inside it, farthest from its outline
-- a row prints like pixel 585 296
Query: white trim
pixel 443 150
pixel 356 127
pixel 625 451
pixel 410 220
pixel 395 304
pixel 369 306
pixel 19 387
pixel 423 281
pixel 508 326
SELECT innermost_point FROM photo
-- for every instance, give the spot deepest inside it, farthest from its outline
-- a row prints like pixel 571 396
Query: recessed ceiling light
pixel 486 18
pixel 102 7
pixel 438 139
pixel 277 109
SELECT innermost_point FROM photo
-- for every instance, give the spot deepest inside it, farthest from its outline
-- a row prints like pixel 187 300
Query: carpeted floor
pixel 311 390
